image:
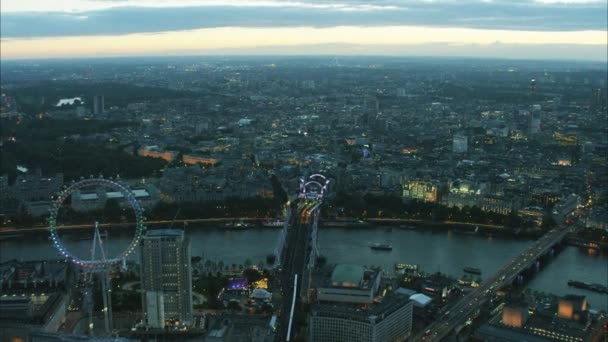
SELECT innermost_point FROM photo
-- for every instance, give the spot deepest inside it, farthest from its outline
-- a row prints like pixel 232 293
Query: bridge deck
pixel 468 305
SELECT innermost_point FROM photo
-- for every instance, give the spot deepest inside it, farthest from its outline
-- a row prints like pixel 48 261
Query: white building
pixel 147 195
pixel 460 143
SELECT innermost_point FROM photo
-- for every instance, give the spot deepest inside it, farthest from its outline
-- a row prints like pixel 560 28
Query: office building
pixel 147 195
pixel 390 320
pixel 351 307
pixel 166 277
pixel 25 314
pixel 35 187
pixel 33 192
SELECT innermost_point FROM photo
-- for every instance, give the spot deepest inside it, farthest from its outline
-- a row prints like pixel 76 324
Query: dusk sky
pixel 554 29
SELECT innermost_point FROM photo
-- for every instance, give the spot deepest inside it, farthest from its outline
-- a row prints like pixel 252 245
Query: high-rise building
pixel 534 123
pixel 98 104
pixel 166 277
pixel 460 143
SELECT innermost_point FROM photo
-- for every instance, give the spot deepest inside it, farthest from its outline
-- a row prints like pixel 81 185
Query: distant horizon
pixel 274 54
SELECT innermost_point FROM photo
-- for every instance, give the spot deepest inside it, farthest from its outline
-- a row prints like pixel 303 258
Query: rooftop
pixel 347 275
pixel 377 311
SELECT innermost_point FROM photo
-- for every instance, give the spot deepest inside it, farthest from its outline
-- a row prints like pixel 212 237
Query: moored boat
pixel 381 247
pixel 472 270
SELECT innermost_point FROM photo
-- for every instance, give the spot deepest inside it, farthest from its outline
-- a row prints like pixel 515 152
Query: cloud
pixel 118 17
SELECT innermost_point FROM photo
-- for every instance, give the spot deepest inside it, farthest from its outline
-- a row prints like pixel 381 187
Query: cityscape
pixel 329 188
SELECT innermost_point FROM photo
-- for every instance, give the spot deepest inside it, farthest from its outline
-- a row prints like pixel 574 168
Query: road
pixel 294 262
pixel 468 305
pixel 12 230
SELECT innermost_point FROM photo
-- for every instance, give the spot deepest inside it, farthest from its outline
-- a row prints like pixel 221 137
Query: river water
pixel 443 251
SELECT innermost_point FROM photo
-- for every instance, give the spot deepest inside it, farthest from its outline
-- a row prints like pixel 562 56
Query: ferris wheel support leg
pixel 90 327
pixel 107 300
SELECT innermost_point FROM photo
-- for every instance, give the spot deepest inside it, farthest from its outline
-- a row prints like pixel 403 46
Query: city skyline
pixel 304 170
pixel 315 198
pixel 570 30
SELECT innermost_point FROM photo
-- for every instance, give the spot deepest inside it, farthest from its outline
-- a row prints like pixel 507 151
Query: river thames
pixel 443 251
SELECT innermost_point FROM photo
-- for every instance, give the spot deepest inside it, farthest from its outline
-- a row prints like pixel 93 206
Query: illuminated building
pixel 192 159
pixel 569 323
pixel 514 317
pixel 421 190
pixel 565 139
pixel 409 150
pixel 155 152
pixel 166 277
pixel 532 214
pixel 496 205
pixel 572 307
pixel 463 187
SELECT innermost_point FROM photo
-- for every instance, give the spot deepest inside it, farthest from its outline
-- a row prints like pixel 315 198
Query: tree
pixel 252 275
pixel 321 261
pixel 548 223
pixel 277 189
pixel 234 306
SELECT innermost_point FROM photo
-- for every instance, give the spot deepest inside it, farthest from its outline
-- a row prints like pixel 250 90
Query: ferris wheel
pixel 99 262
pixel 94 261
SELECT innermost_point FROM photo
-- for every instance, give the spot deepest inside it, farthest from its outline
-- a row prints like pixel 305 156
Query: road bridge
pixel 508 274
pixel 297 251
